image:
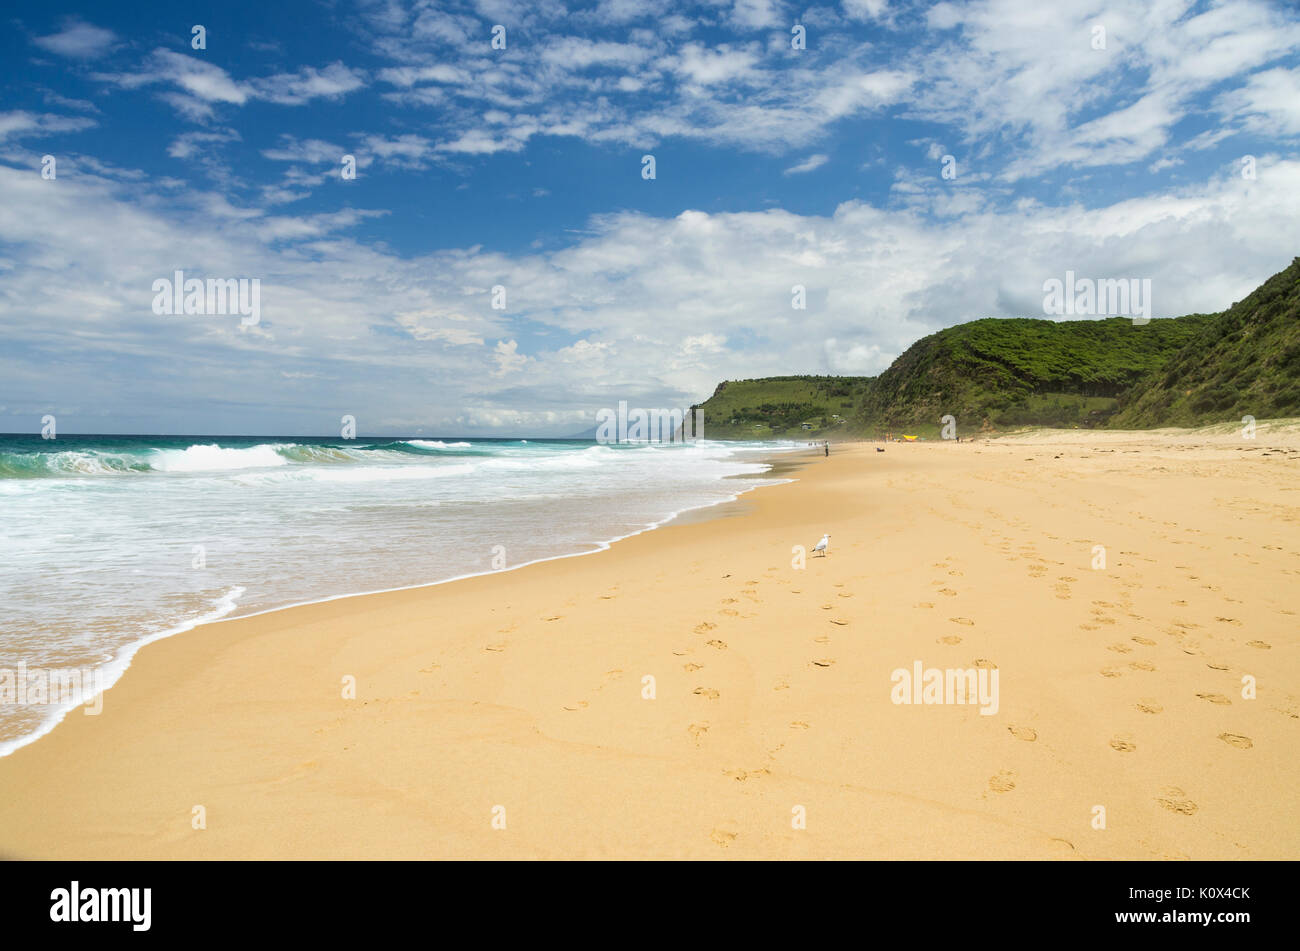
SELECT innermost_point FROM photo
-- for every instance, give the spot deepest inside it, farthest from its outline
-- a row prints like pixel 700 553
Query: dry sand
pixel 1119 687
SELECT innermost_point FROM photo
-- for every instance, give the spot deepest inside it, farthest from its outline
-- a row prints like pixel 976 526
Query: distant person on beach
pixel 827 447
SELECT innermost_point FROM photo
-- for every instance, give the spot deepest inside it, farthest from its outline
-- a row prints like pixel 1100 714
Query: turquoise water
pixel 109 542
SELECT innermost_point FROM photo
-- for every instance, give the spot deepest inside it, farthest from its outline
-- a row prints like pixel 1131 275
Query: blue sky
pixel 521 167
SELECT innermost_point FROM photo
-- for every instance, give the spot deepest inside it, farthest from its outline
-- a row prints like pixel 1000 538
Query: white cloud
pixel 203 85
pixel 807 165
pixel 507 357
pixel 1268 104
pixel 1004 68
pixel 78 40
pixel 293 89
pixel 312 151
pixel 671 304
pixel 190 144
pixel 699 64
pixel 756 14
pixel 865 9
pixel 19 124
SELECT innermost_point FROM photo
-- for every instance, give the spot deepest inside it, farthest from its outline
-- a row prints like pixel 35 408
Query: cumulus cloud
pixel 664 306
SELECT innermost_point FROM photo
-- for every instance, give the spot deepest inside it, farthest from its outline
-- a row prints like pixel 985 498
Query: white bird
pixel 821 545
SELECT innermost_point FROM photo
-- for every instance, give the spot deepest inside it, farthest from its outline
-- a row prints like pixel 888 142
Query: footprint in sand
pixel 781 685
pixel 704 627
pixel 1259 644
pixel 1175 800
pixel 1120 648
pixel 923 604
pixel 697 730
pixel 950 639
pixel 692 668
pixel 1144 641
pixel 827 607
pixel 824 662
pixel 961 620
pixel 798 725
pixel 728 601
pixel 1214 697
pixel 1067 579
pixel 1123 744
pixel 582 704
pixel 1149 706
pixel 948 592
pixel 720 645
pixel 1004 781
pixel 497 648
pixel 840 621
pixel 729 612
pixel 553 617
pixel 708 693
pixel 1142 665
pixel 844 594
pixel 1215 665
pixel 1237 740
pixel 983 662
pixel 722 837
pixel 1026 733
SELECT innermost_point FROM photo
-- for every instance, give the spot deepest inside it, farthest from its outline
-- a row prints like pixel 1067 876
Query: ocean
pixel 110 542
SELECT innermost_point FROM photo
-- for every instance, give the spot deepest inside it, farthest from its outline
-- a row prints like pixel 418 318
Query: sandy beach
pixel 509 716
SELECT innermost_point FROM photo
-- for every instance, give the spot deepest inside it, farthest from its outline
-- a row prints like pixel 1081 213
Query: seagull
pixel 821 545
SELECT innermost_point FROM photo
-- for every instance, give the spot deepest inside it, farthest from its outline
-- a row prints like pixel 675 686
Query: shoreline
pixel 121 662
pixel 526 691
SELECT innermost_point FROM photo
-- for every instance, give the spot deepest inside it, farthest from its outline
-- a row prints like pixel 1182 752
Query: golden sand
pixel 520 699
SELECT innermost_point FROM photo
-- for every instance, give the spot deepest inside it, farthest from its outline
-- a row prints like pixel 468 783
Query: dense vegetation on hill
pixel 780 406
pixel 1245 361
pixel 997 373
pixel 1002 373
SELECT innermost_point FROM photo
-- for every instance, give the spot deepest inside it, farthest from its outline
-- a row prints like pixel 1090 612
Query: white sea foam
pixel 437 444
pixel 213 458
pixel 110 671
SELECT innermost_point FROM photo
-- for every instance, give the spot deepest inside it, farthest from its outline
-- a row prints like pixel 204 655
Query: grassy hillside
pixel 1002 373
pixel 1245 361
pixel 778 406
